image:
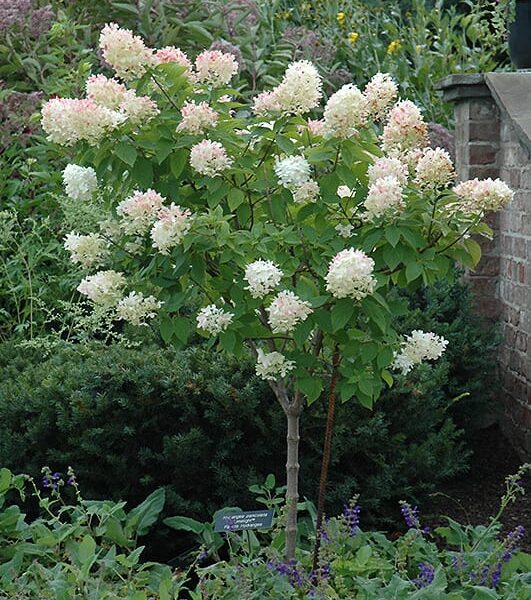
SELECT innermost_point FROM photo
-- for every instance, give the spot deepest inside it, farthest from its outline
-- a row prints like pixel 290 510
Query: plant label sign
pixel 251 519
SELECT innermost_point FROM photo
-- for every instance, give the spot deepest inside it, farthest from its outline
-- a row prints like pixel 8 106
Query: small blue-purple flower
pixel 351 516
pixel 426 575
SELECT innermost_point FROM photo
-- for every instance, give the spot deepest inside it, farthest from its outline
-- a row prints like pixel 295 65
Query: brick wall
pixel 491 142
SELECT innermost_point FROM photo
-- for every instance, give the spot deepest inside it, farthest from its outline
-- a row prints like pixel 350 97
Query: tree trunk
pixel 327 449
pixel 293 415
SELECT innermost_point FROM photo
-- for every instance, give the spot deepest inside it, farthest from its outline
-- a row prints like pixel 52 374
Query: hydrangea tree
pixel 276 226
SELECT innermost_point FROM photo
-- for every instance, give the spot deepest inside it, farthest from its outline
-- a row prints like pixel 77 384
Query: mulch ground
pixel 474 497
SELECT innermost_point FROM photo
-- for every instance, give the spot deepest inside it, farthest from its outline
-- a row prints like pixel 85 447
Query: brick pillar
pixel 477 154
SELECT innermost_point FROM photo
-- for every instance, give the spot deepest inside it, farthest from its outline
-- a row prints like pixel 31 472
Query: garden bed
pixel 475 496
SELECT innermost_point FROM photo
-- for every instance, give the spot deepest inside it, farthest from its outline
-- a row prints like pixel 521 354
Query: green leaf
pixel 86 550
pixel 126 152
pixel 347 391
pixel 166 328
pixel 235 197
pixel 143 172
pixel 311 387
pixel 5 480
pixel 341 313
pixel 474 249
pixel 177 162
pixel 392 235
pixel 387 377
pixel 181 328
pixel 227 339
pixel 141 518
pixel 413 270
pixel 184 524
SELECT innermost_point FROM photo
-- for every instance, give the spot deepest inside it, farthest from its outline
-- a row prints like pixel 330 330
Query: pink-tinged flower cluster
pixel 103 288
pixel 215 68
pixel 350 275
pixel 345 112
pixel 405 129
pixel 380 93
pixel 170 54
pixel 68 120
pixel 343 191
pixel 434 169
pixel 197 117
pixel 86 250
pixel 286 311
pixel 136 308
pixel 480 195
pixel 209 158
pixel 266 102
pixel 214 320
pixel 80 182
pixel 300 89
pixel 306 192
pixel 138 109
pixel 272 365
pixel 126 53
pixel 386 166
pixel 315 126
pixel 417 347
pixel 385 197
pixel 139 211
pixel 263 276
pixel 172 224
pixel 106 92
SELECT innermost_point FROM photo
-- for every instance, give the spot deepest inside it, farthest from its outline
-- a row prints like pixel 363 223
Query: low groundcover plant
pixel 279 228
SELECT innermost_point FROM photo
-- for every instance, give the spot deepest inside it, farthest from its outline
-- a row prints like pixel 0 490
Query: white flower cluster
pixel 344 230
pixel 136 308
pixel 385 196
pixel 126 53
pixel 80 182
pixel 299 91
pixel 69 120
pixel 380 93
pixel 209 158
pixel 292 171
pixel 345 112
pixel 434 169
pixel 479 195
pixel 272 365
pixel 417 347
pixel 215 68
pixel 286 311
pixel 307 192
pixel 263 276
pixel 388 165
pixel 197 117
pixel 86 250
pixel 138 109
pixel 139 211
pixel 350 275
pixel 103 288
pixel 214 320
pixel 172 224
pixel 405 129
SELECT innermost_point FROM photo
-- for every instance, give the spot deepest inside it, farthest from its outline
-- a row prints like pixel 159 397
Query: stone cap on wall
pixel 510 91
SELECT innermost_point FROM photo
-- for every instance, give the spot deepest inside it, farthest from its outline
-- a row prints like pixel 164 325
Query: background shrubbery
pixel 133 419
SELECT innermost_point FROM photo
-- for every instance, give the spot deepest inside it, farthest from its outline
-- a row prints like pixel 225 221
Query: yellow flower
pixel 394 46
pixel 341 18
pixel 353 37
